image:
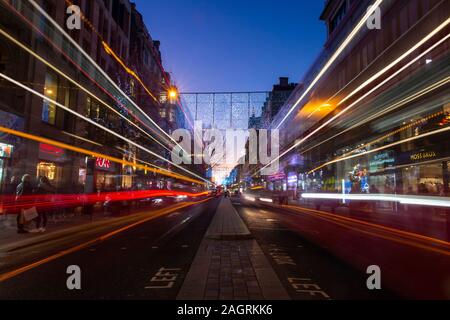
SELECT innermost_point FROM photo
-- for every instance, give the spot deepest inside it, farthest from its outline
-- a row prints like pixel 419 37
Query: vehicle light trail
pixel 98 125
pixel 397 105
pixel 423 135
pixel 385 69
pixel 47 63
pixel 82 71
pixel 133 73
pixel 333 58
pixel 368 93
pixel 67 200
pixel 88 57
pixel 154 215
pixel 403 199
pixel 405 237
pixel 96 154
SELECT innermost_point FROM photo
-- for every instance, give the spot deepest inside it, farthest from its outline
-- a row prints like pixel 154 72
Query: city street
pixel 127 265
pixel 242 154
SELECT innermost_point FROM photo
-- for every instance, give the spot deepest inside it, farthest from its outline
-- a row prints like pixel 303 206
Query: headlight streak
pixel 99 126
pixel 88 57
pixel 97 154
pixel 266 200
pixel 28 50
pixel 326 123
pixel 251 199
pixel 403 199
pixel 336 54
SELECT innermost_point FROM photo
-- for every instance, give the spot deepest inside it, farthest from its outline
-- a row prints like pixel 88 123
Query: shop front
pixel 106 178
pixel 425 171
pixel 6 151
pixel 9 147
pixel 51 164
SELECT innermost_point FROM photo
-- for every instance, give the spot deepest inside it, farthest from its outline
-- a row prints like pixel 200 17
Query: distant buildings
pixel 277 97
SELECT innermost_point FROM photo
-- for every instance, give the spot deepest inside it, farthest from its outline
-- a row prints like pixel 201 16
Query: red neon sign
pixel 103 163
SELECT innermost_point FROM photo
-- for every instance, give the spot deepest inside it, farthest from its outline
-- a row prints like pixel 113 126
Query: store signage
pixel 382 160
pixel 278 176
pixel 51 153
pixel 423 156
pixel 102 163
pixel 11 121
pixel 5 150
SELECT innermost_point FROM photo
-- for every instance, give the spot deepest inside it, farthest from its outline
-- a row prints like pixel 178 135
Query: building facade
pixel 108 77
pixel 375 121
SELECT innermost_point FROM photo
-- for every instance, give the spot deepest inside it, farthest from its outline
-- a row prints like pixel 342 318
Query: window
pixel 88 109
pixel 48 170
pixel 132 88
pixel 163 98
pixel 51 92
pixel 338 17
pixel 162 113
pixel 146 57
pixel 171 116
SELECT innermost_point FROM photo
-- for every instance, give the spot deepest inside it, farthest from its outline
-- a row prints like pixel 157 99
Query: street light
pixel 173 93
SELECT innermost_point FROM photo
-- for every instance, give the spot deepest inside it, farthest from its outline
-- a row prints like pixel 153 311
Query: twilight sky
pixel 235 45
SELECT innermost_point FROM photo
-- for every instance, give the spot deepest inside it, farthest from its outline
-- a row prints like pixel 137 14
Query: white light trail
pixel 420 136
pixel 248 198
pixel 40 58
pixel 326 123
pixel 333 58
pixel 396 105
pixel 98 125
pixel 88 57
pixel 403 199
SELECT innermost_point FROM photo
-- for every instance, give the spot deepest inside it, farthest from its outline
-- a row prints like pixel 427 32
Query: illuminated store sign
pixel 5 150
pixel 102 163
pixel 51 153
pixel 423 156
pixel 276 177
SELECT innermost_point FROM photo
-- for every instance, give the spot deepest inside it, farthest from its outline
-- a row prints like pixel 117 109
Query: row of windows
pixel 394 26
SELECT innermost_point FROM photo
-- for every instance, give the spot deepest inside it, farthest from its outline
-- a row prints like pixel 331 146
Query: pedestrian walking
pixel 24 189
pixel 44 191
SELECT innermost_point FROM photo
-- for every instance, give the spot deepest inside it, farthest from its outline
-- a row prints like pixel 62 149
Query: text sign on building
pixel 102 163
pixel 5 150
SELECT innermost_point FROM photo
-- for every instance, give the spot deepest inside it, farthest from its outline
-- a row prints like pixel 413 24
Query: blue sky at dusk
pixel 235 45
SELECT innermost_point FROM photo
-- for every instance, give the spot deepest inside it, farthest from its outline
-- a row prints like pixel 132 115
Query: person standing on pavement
pixel 24 188
pixel 43 190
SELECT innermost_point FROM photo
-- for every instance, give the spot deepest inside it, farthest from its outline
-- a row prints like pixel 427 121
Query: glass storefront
pixel 50 170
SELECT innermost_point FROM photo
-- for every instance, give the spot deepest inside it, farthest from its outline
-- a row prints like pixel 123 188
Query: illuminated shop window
pixel 50 91
pixel 88 107
pixel 47 169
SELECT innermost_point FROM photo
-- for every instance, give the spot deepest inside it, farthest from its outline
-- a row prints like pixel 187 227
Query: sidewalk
pixel 63 225
pixel 230 265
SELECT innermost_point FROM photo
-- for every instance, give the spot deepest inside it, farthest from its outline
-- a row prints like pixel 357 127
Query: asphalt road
pixel 151 260
pixel 307 271
pixel 132 265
